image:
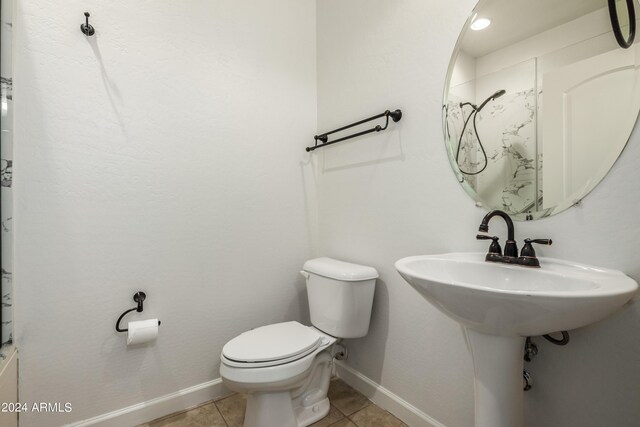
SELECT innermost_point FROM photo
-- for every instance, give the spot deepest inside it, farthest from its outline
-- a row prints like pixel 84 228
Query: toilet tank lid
pixel 339 270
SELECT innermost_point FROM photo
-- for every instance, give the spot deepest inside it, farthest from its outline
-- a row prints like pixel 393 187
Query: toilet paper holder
pixel 139 298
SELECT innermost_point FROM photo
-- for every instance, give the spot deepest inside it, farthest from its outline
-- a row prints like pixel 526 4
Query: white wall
pixel 579 38
pixel 393 194
pixel 163 155
pixel 463 76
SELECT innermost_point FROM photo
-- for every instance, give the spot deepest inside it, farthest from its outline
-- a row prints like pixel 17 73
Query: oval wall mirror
pixel 539 102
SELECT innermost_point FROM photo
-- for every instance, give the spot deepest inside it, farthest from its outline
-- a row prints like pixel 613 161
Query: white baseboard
pixel 385 399
pixel 158 407
pixel 189 397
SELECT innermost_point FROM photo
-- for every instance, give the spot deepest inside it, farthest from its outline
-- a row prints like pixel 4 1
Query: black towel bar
pixel 395 115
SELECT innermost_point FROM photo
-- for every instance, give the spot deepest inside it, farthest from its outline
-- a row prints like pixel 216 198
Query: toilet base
pixel 297 407
pixel 310 414
pixel 269 410
pixel 276 410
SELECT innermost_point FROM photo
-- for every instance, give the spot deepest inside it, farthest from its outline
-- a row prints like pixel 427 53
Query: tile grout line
pixel 219 412
pixel 208 402
pixel 215 403
pixel 345 417
pixel 348 417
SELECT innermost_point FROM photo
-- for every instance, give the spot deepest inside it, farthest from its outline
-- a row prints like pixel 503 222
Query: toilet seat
pixel 251 376
pixel 271 345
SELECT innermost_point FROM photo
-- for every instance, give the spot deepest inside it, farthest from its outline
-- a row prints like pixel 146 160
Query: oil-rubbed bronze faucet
pixel 527 256
pixel 510 247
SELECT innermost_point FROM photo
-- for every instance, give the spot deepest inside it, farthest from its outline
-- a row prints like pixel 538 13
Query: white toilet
pixel 285 368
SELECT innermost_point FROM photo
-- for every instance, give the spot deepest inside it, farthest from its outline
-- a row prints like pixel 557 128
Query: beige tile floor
pixel 348 409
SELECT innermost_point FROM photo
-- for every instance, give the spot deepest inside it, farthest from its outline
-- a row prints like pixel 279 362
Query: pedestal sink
pixel 499 305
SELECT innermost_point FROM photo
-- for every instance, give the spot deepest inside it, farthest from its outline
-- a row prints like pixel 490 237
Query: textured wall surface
pixel 163 154
pixel 393 194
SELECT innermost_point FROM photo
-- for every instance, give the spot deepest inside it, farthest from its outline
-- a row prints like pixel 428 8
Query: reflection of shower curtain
pixel 6 164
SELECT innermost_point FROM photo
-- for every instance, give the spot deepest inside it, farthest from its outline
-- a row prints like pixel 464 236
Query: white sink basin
pixel 499 305
pixel 503 299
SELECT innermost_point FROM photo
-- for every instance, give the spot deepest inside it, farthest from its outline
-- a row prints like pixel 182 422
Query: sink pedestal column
pixel 497 366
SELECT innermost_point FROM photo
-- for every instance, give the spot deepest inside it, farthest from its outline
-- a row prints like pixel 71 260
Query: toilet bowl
pixel 288 387
pixel 285 368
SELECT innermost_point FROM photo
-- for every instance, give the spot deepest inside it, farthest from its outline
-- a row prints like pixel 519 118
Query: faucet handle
pixel 528 254
pixel 494 248
pixel 539 241
pixel 527 249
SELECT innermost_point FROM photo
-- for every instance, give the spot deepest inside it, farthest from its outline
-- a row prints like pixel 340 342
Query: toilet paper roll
pixel 142 331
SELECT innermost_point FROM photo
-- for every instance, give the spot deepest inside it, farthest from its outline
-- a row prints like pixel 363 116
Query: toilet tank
pixel 340 296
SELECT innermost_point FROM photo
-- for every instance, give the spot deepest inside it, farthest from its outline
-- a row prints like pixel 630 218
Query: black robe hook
pixel 86 28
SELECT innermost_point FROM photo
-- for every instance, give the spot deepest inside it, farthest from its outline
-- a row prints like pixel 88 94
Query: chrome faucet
pixel 527 256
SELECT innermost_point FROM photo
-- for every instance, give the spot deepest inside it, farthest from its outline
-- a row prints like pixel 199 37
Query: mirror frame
pixel 615 23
